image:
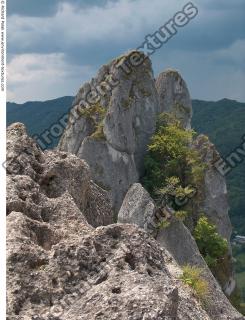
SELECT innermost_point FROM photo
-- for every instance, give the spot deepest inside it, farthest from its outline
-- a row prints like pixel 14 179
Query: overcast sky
pixel 56 45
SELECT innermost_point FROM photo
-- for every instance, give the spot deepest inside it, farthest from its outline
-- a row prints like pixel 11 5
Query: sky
pixel 54 46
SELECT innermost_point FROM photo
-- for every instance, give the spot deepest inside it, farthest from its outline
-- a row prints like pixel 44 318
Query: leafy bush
pixel 211 245
pixel 173 194
pixel 171 160
pixel 192 276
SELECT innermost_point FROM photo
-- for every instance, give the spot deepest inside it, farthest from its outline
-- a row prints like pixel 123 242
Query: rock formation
pixel 177 239
pixel 66 258
pixel 112 135
pixel 174 96
pixel 128 121
pixel 214 203
pixel 121 121
pixel 60 267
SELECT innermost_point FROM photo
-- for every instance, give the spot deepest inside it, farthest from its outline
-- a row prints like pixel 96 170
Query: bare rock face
pixel 174 96
pixel 59 267
pixel 138 208
pixel 112 132
pixel 113 170
pixel 215 197
pixel 214 203
pixel 37 180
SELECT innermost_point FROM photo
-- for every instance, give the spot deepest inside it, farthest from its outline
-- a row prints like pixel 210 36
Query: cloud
pixel 210 75
pixel 45 7
pixel 120 24
pixel 233 55
pixel 91 33
pixel 122 21
pixel 42 76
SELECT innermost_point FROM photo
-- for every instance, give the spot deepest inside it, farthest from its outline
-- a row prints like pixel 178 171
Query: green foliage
pixel 173 193
pixel 192 276
pixel 171 157
pixel 39 116
pixel 211 245
pixel 215 119
pixel 97 113
pixel 236 300
pixel 239 254
pixel 99 132
pixel 95 110
pixel 181 215
pixel 163 224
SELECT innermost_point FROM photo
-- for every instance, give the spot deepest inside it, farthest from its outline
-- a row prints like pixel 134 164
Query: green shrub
pixel 192 276
pixel 211 245
pixel 170 156
pixel 173 194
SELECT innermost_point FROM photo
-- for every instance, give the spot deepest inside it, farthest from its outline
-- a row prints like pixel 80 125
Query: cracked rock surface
pixel 60 267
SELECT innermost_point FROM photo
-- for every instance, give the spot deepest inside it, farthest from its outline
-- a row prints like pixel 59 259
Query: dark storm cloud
pixel 90 33
pixel 45 7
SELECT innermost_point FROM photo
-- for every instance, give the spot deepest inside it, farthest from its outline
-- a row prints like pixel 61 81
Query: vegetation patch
pixel 94 111
pixel 192 276
pixel 126 103
pixel 171 165
pixel 99 132
pixel 211 244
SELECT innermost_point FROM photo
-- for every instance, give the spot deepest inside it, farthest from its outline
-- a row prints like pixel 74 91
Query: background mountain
pixel 223 121
pixel 38 116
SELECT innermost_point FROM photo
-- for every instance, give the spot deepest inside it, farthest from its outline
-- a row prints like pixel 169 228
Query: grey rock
pixel 138 208
pixel 214 204
pixel 130 110
pixel 215 198
pixel 60 267
pixel 36 178
pixel 113 272
pixel 174 96
pixel 113 170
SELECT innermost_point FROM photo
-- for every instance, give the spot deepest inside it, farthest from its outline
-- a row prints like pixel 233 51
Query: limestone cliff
pixel 128 119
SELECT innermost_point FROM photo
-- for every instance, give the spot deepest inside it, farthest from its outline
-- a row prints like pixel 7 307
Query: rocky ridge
pixel 61 240
pixel 59 266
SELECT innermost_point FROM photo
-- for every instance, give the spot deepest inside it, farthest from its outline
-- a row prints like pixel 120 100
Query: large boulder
pixel 138 208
